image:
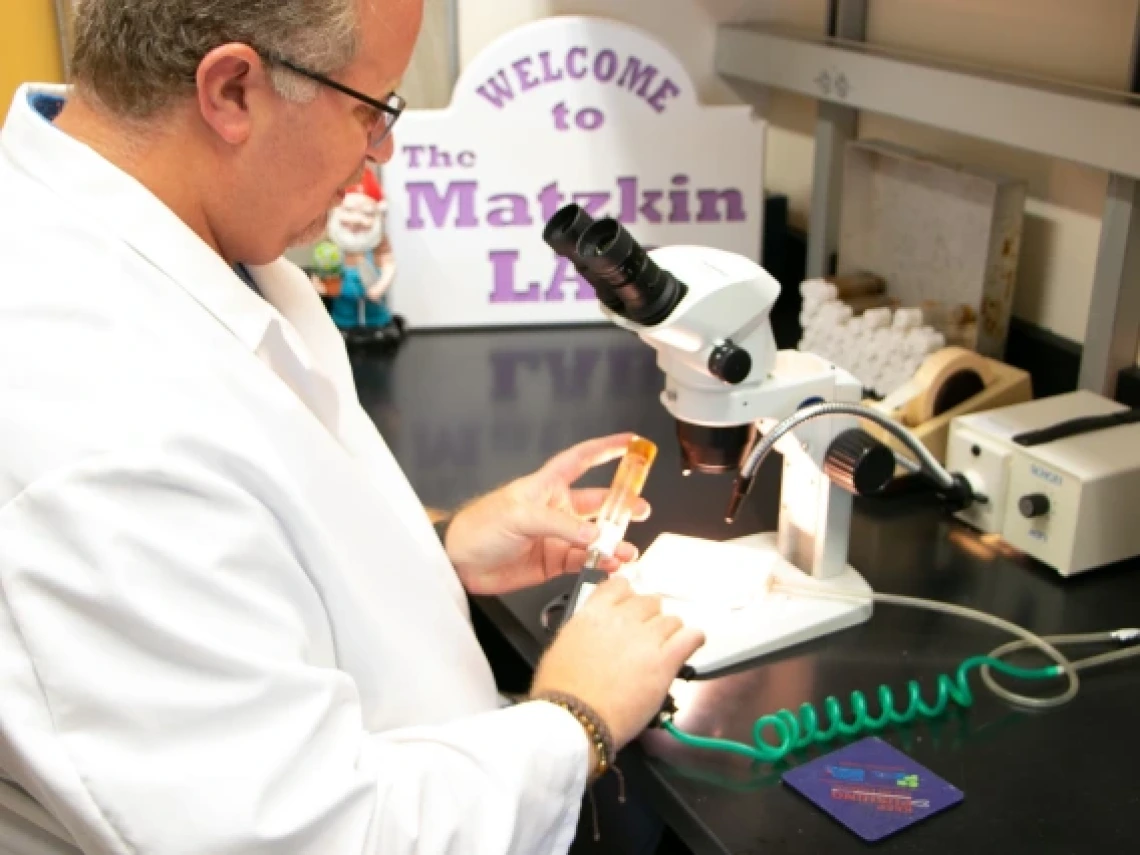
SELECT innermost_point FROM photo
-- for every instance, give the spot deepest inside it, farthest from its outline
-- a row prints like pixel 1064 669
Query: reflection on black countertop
pixel 465 411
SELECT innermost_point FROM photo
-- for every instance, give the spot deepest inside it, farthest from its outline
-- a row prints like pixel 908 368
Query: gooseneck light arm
pixel 944 481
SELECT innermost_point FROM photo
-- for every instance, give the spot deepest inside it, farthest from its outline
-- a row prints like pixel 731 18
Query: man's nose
pixel 384 152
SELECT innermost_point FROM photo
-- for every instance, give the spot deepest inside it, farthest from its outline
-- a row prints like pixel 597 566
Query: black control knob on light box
pixel 1033 506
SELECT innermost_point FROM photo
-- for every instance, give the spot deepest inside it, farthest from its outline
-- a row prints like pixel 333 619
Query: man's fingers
pixel 641 510
pixel 666 626
pixel 684 643
pixel 557 558
pixel 576 461
pixel 624 554
pixel 613 591
pixel 588 501
pixel 535 521
pixel 645 606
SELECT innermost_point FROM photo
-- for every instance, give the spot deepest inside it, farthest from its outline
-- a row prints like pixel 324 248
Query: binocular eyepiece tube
pixel 622 274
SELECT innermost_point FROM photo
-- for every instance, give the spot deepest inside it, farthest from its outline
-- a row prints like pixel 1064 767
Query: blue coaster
pixel 872 788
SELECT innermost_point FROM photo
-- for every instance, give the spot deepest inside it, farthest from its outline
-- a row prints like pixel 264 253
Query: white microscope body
pixel 706 313
pixel 725 588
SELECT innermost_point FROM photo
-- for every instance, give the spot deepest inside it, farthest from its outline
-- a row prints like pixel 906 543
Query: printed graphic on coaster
pixel 872 788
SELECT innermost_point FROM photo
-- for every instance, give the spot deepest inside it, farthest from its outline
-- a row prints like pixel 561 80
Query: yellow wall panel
pixel 29 45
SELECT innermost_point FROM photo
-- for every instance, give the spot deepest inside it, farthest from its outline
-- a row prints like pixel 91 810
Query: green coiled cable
pixel 794 733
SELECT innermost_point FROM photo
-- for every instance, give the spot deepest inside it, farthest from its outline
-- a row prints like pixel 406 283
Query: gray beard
pixel 355 242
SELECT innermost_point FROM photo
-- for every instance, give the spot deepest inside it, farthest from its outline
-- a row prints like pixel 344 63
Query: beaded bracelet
pixel 596 729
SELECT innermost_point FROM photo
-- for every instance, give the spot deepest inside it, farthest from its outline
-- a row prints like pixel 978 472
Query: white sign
pixel 567 109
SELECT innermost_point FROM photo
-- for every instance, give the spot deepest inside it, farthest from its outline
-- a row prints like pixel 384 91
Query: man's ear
pixel 232 82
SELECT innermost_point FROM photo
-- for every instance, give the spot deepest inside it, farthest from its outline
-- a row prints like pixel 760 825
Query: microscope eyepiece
pixel 611 255
pixel 562 234
pixel 622 274
pixel 564 230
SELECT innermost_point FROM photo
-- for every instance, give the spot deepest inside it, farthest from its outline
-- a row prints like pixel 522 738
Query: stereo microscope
pixel 735 397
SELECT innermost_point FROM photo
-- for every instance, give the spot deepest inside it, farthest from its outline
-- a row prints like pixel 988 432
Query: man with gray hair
pixel 226 623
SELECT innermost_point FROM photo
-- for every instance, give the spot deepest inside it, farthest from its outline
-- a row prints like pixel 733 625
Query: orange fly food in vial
pixel 617 510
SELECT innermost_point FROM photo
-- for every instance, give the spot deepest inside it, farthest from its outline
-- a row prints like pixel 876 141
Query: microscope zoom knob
pixel 859 463
pixel 730 363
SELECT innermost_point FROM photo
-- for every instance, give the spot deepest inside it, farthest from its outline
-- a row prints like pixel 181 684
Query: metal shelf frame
pixel 1094 127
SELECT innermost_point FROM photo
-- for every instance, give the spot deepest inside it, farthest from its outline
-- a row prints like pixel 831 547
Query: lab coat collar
pixel 115 202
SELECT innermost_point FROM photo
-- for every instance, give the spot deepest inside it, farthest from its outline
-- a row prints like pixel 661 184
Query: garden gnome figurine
pixel 355 267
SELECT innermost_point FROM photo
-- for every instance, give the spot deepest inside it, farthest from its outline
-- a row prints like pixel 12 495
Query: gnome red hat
pixel 368 187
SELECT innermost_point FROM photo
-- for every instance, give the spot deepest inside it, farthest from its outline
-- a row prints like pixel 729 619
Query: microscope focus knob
pixel 859 463
pixel 730 363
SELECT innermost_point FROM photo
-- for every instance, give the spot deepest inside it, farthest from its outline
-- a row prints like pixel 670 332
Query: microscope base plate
pixel 724 588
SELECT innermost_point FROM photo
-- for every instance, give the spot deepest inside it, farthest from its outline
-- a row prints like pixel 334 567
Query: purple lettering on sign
pixel 413 152
pixel 522 69
pixel 560 111
pixel 629 199
pixel 439 159
pixel 589 119
pixel 666 89
pixel 550 199
pixel 592 203
pixel 679 200
pixel 576 70
pixel 636 76
pixel 548 74
pixel 734 202
pixel 461 193
pixel 605 65
pixel 503 263
pixel 497 90
pixel 436 157
pixel 631 73
pixel 515 211
pixel 457 205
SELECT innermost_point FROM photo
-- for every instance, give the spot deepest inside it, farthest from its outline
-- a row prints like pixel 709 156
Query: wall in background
pixel 1088 43
pixel 428 81
pixel 29 46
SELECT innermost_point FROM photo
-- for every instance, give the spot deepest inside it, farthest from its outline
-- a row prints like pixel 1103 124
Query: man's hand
pixel 619 654
pixel 537 527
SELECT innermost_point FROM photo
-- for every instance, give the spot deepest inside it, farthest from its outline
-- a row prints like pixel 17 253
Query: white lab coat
pixel 226 623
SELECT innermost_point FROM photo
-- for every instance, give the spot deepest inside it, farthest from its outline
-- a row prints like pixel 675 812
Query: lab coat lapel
pixel 291 294
pixel 294 297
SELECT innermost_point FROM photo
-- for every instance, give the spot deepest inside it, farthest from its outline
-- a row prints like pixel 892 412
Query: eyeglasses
pixel 387 111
